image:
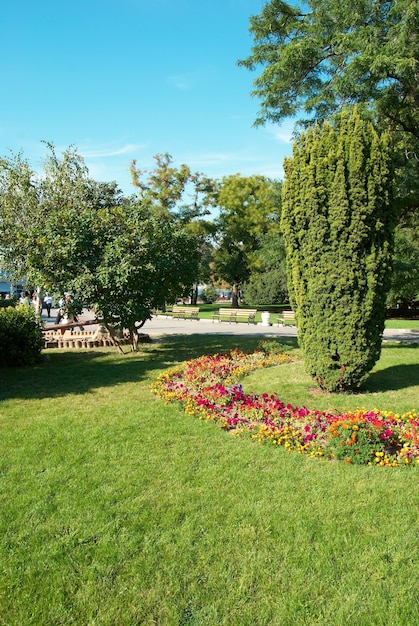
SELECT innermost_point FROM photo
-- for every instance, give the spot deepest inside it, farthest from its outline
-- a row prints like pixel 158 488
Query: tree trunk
pixel 114 340
pixel 235 296
pixel 38 306
pixel 133 335
pixel 194 295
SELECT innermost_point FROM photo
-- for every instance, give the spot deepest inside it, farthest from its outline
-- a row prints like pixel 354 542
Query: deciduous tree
pixel 65 231
pixel 268 280
pixel 319 55
pixel 248 207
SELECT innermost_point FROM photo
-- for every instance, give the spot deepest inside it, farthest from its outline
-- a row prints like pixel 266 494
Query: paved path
pixel 161 325
pixel 166 326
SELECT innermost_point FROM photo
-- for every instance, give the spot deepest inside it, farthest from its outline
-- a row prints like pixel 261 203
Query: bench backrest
pixel 225 311
pixel 246 311
pixel 177 309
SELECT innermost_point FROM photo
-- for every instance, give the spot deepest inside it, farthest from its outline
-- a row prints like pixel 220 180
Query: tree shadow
pixel 69 372
pixel 401 344
pixel 393 378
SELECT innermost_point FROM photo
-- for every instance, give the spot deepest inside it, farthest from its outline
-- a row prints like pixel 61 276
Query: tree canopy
pixel 249 206
pixel 64 231
pixel 268 278
pixel 319 55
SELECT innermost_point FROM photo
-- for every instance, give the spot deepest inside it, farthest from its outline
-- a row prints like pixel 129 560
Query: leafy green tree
pixel 162 189
pixel 143 260
pixel 248 207
pixel 319 55
pixel 209 294
pixel 122 257
pixel 405 278
pixel 20 336
pixel 175 193
pixel 203 231
pixel 268 281
pixel 180 195
pixel 338 222
pixel 21 214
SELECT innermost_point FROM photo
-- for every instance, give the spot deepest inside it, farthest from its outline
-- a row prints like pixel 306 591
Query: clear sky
pixel 128 79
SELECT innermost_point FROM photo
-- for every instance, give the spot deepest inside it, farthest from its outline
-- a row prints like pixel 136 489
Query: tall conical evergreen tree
pixel 338 224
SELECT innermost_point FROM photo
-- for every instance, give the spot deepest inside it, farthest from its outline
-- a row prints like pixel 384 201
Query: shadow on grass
pixel 401 344
pixel 393 378
pixel 66 372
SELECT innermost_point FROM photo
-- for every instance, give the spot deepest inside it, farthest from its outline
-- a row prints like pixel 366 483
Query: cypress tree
pixel 338 225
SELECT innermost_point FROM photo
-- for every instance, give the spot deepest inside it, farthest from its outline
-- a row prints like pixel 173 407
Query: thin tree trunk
pixel 133 335
pixel 194 295
pixel 38 307
pixel 235 296
pixel 114 340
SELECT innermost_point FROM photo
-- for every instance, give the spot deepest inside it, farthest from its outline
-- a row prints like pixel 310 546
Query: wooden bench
pixel 184 312
pixel 286 317
pixel 83 338
pixel 77 339
pixel 69 325
pixel 235 315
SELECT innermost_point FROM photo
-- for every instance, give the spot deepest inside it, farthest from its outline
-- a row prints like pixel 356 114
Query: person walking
pixel 48 303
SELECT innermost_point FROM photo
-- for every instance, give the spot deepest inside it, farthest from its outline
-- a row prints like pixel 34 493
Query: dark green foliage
pixel 312 58
pixel 120 257
pixel 20 336
pixel 268 287
pixel 316 56
pixel 209 295
pixel 268 280
pixel 5 303
pixel 272 346
pixel 405 278
pixel 338 225
pixel 249 208
pixel 143 260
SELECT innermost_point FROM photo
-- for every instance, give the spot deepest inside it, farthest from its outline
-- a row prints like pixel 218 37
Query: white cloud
pixel 283 133
pixel 93 153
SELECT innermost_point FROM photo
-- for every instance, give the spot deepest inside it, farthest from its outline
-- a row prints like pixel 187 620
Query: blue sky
pixel 128 79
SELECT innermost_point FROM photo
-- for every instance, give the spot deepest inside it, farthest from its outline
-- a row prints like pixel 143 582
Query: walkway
pixel 161 325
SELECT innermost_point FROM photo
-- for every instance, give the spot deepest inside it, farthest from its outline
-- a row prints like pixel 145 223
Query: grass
pixel 393 384
pixel 400 323
pixel 118 510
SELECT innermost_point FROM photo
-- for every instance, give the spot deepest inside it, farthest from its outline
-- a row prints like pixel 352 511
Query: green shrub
pixel 5 303
pixel 271 346
pixel 338 223
pixel 209 295
pixel 20 336
pixel 269 287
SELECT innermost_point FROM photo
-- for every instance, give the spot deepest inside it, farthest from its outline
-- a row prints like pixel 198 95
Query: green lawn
pixel 119 510
pixel 395 323
pixel 393 384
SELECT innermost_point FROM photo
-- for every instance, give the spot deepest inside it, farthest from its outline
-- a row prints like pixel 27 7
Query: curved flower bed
pixel 208 388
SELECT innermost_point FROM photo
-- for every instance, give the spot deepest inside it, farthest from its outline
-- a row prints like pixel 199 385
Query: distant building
pixel 6 287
